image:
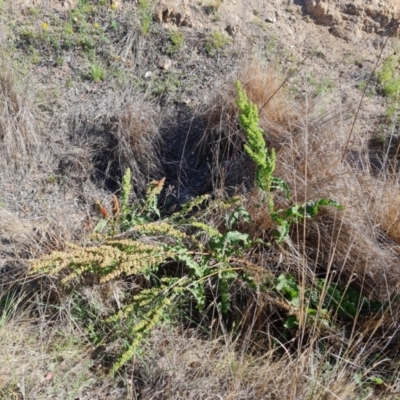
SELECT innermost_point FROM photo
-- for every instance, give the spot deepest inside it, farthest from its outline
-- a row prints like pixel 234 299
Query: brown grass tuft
pixel 139 141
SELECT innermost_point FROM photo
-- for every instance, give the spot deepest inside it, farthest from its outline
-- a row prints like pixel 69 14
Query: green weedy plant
pixel 177 40
pixel 210 261
pixel 125 215
pixel 389 79
pixel 97 72
pixel 215 42
pixel 338 301
pixel 145 16
pixel 147 311
pixel 265 161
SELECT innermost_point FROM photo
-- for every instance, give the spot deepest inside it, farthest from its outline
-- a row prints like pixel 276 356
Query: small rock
pixel 165 63
pixel 148 74
pixel 271 20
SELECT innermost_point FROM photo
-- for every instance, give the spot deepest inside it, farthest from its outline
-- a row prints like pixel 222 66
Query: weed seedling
pixel 145 16
pixel 97 72
pixel 215 42
pixel 177 40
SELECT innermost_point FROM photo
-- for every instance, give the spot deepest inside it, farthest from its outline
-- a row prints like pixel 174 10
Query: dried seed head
pixel 116 209
pixel 102 210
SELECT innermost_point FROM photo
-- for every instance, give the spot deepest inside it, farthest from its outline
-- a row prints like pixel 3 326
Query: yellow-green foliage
pixel 109 260
pixel 145 16
pixel 255 146
pixel 154 304
pixel 389 77
pixel 97 72
pixel 209 230
pixel 159 228
pixel 189 206
pixel 216 41
pixel 177 40
pixel 153 191
pixel 265 162
pixel 125 193
pixel 113 256
pixel 151 304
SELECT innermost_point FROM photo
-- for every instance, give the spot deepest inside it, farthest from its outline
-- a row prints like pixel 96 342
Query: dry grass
pixel 185 366
pixel 47 358
pixel 117 131
pixel 139 141
pixel 18 126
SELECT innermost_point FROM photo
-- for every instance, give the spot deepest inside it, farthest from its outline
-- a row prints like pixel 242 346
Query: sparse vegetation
pixel 177 40
pixel 322 86
pixel 213 6
pixel 145 16
pixel 389 79
pixel 215 42
pixel 97 72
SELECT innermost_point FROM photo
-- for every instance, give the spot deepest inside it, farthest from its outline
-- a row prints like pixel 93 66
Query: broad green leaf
pixel 100 225
pixel 287 285
pixel 280 184
pixel 233 237
pixel 282 232
pixel 239 213
pixel 291 322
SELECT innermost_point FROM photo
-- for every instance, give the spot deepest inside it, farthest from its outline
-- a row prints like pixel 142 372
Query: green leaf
pixel 311 311
pixel 239 213
pixel 295 213
pixel 198 293
pixel 282 232
pixel 295 302
pixel 100 225
pixel 223 288
pixel 234 237
pixel 376 380
pixel 287 285
pixel 311 208
pixel 329 202
pixel 199 270
pixel 280 184
pixel 291 322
